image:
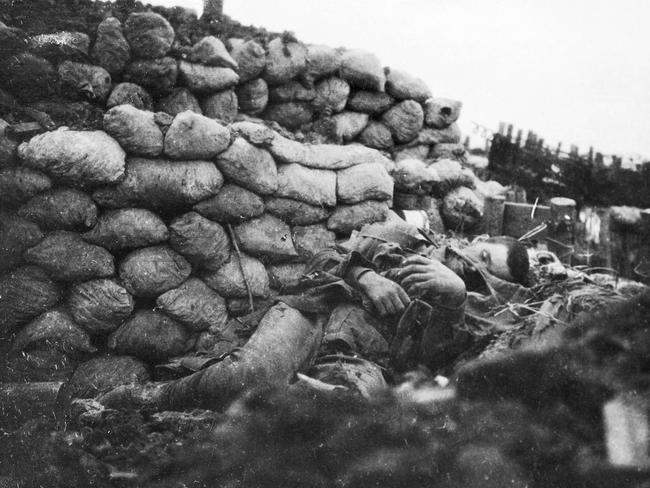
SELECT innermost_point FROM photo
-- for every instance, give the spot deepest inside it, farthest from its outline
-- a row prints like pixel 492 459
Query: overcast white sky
pixel 571 70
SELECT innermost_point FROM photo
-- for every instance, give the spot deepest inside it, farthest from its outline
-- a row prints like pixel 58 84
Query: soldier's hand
pixel 421 275
pixel 387 296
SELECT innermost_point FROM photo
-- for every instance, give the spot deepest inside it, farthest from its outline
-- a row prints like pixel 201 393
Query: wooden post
pixel 502 128
pixel 493 215
pixel 518 139
pixel 563 218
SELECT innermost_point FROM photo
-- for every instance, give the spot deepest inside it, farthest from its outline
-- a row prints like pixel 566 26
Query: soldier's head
pixel 504 257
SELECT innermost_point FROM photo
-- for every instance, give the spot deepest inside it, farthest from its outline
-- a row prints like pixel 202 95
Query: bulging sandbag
pixel 292 91
pixel 8 146
pixel 292 115
pixel 99 306
pixel 132 94
pixel 285 61
pixel 313 186
pixel 25 293
pixel 345 126
pixel 84 81
pixel 135 130
pixel 194 136
pixel 67 257
pixel 417 151
pixel 16 235
pixel 204 243
pixel 156 75
pixel 295 212
pixel 127 228
pixel 266 237
pixel 104 373
pixel 429 135
pixel 448 175
pixel 88 157
pixel 222 105
pixel 377 136
pixel 286 275
pixel 255 133
pixel 404 120
pixel 228 281
pixel 441 112
pixel 212 52
pixel 310 239
pixel 233 204
pixel 403 86
pixel 162 184
pixel 347 218
pixel 56 329
pixel 29 77
pixel 151 271
pixel 252 96
pixel 331 95
pixel 413 176
pixel 17 184
pixel 206 79
pixel 249 56
pixel 249 166
pixel 362 69
pixel 447 151
pixel 195 305
pixel 462 209
pixel 179 100
pixel 370 102
pixel 149 34
pixel 61 208
pixel 151 336
pixel 363 182
pixel 321 61
pixel 111 50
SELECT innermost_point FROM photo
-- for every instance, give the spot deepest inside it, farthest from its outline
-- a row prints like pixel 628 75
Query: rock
pixel 292 115
pixel 60 45
pixel 195 305
pixel 16 236
pixel 249 166
pixel 221 105
pixel 363 182
pixel 291 91
pixel 132 94
pixel 157 75
pixel 78 157
pixel 127 228
pixel 252 96
pixel 310 239
pixel 18 184
pixel 249 56
pixel 285 61
pixel 212 52
pixel 229 282
pixel 404 120
pixel 85 81
pixel 363 70
pixel 403 86
pixel 99 306
pixel 441 112
pixel 377 136
pixel 29 77
pixel 233 204
pixel 295 212
pixel 313 186
pixel 111 51
pixel 151 271
pixel 206 79
pixel 347 218
pixel 150 35
pixel 135 130
pixel 204 243
pixel 179 100
pixel 61 209
pixel 321 61
pixel 373 103
pixel 331 96
pixel 194 136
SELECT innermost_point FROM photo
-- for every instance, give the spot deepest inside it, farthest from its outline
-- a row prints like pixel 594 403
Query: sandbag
pixel 447 151
pixel 413 176
pixel 179 100
pixel 156 75
pixel 104 373
pixel 149 34
pixel 67 257
pixel 111 50
pixel 25 293
pixel 212 52
pixel 311 239
pixel 404 120
pixel 8 146
pixel 195 305
pixel 162 184
pixel 291 115
pixel 313 186
pixel 362 69
pixel 56 329
pixel 202 242
pixel 321 61
pixel 266 237
pixel 429 135
pixel 249 56
pixel 295 212
pixel 222 105
pixel 150 336
pixel 59 45
pixel 206 79
pixel 132 94
pixel 441 112
pixel 233 204
pixel 17 184
pixel 418 151
pixel 76 157
pixel 135 130
pixel 284 61
pixel 127 228
pixel 253 96
pixel 84 81
pixel 363 182
pixel 292 91
pixel 285 276
pixel 61 208
pixel 255 133
pixel 370 102
pixel 331 96
pixel 347 218
pixel 29 77
pixel 403 86
pixel 377 136
pixel 345 126
pixel 194 136
pixel 16 235
pixel 462 209
pixel 99 306
pixel 249 166
pixel 229 282
pixel 448 175
pixel 151 271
